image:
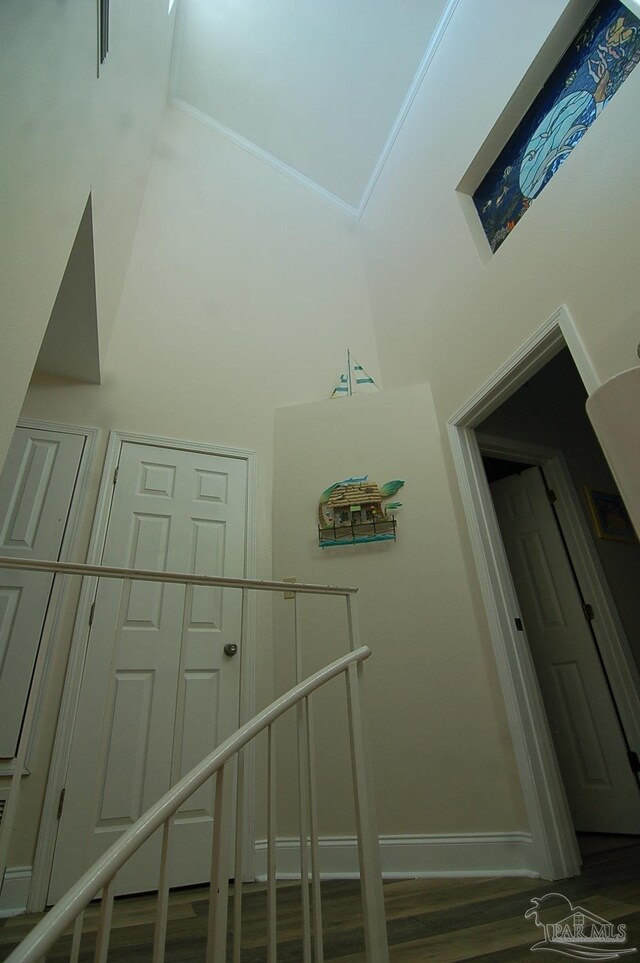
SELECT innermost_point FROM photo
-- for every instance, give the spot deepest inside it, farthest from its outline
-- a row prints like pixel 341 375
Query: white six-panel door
pixel 602 791
pixel 36 488
pixel 158 693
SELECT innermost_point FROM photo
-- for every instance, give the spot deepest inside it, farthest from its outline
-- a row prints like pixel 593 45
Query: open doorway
pixel 555 852
pixel 540 430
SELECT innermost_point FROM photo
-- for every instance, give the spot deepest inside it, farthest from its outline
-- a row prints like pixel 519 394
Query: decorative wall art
pixel 598 61
pixel 610 516
pixel 351 511
pixel 353 380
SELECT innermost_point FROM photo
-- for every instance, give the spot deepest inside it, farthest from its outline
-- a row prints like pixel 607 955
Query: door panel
pixel 574 699
pixel 36 488
pixel 602 791
pixel 157 693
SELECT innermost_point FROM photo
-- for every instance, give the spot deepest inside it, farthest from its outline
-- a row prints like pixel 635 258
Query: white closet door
pixel 36 488
pixel 602 790
pixel 158 693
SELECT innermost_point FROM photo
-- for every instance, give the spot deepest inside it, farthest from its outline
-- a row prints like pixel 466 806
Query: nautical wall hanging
pixel 353 380
pixel 351 511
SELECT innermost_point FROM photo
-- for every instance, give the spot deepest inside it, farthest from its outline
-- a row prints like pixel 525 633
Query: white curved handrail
pixel 182 578
pixel 51 927
pixel 93 574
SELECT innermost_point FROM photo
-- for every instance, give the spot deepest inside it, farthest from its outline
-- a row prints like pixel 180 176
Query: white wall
pixel 243 294
pixel 66 133
pixel 316 85
pixel 446 313
pixel 442 756
pixel 614 410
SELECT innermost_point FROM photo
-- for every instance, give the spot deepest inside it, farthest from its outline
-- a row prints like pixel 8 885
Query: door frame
pixel 43 860
pixel 55 606
pixel 555 851
pixel 611 638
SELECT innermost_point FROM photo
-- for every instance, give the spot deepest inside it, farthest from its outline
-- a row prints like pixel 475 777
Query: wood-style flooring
pixel 437 920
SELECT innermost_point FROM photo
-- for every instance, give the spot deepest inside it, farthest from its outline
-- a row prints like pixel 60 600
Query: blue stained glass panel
pixel 599 59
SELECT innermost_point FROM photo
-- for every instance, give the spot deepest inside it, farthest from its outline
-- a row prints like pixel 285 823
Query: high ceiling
pixel 315 86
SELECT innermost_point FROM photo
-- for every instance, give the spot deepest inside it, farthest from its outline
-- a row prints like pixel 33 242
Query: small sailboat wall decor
pixel 353 380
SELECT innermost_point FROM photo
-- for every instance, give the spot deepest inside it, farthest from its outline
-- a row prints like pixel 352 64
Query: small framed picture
pixel 610 517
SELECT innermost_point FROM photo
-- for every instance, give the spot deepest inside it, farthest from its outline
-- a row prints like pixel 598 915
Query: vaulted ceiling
pixel 317 87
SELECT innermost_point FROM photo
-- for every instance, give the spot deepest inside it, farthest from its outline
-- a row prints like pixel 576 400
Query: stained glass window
pixel 599 59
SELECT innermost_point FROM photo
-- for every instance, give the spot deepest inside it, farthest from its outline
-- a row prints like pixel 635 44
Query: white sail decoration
pixel 354 380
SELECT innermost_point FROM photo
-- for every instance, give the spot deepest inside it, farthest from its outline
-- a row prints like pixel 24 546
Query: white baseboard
pixel 466 854
pixel 15 890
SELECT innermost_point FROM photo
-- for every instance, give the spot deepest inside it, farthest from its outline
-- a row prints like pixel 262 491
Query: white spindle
pixel 181 689
pixel 103 744
pixel 162 911
pixel 316 894
pixel 244 651
pixel 241 767
pixel 297 647
pixel 74 954
pixel 238 860
pixel 375 930
pixel 303 800
pixel 219 892
pixel 353 622
pixel 271 847
pixel 104 927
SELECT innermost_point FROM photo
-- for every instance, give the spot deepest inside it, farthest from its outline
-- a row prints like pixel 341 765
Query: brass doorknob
pixel 230 649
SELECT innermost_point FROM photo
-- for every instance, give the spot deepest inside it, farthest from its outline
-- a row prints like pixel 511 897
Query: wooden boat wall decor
pixel 352 511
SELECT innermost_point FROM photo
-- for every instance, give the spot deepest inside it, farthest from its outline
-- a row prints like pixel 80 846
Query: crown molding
pixel 407 103
pixel 265 156
pixel 350 210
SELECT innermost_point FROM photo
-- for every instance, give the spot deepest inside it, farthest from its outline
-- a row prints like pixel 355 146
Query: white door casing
pixel 602 791
pixel 164 695
pixel 555 853
pixel 37 485
pixel 617 657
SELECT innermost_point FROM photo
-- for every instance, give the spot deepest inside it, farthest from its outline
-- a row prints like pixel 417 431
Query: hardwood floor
pixel 442 920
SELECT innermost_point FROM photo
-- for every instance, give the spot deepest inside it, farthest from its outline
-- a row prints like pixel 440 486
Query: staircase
pixel 227 764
